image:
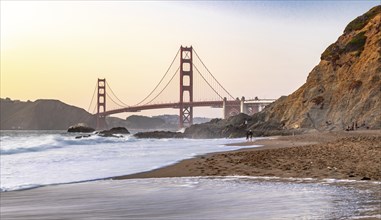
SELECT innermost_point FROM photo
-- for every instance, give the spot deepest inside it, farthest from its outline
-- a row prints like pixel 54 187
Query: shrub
pixel 357 43
pixel 331 53
pixel 361 21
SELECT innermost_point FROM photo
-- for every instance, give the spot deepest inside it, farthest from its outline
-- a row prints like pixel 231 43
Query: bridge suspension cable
pixel 113 101
pixel 121 102
pixel 198 71
pixel 92 99
pixel 212 76
pixel 161 80
pixel 164 86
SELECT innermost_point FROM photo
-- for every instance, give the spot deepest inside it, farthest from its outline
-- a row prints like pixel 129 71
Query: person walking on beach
pixel 249 135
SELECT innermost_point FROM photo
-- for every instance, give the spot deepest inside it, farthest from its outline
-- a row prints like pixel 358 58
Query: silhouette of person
pixel 249 135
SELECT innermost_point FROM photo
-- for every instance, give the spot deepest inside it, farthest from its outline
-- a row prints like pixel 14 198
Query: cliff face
pixel 41 115
pixel 343 89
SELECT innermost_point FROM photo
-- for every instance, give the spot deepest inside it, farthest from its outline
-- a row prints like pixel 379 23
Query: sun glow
pixel 58 49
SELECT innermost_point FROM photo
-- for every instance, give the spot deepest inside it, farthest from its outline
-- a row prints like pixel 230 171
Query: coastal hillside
pixel 144 122
pixel 343 90
pixel 41 115
pixel 56 115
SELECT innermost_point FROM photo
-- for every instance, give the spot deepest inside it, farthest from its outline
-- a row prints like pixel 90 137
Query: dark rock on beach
pixel 82 136
pixel 116 130
pixel 81 128
pixel 113 131
pixel 217 128
pixel 236 127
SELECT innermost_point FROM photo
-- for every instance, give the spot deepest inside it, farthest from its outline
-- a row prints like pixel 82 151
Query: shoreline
pixel 163 198
pixel 354 155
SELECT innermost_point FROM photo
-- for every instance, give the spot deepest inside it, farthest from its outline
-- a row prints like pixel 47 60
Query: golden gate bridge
pixel 198 87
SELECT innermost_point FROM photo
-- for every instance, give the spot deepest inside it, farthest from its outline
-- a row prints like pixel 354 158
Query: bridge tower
pixel 186 86
pixel 101 104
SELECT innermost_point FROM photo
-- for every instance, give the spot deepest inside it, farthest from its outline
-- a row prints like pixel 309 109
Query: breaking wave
pixel 49 142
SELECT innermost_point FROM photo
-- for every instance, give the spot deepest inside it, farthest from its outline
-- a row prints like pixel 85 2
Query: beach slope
pixel 339 155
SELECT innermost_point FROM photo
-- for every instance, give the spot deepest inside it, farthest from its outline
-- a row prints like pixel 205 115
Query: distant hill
pixel 144 122
pixel 174 119
pixel 41 115
pixel 56 115
pixel 160 122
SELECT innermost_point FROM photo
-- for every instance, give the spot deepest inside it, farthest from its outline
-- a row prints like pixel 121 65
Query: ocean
pixel 56 159
pixel 37 158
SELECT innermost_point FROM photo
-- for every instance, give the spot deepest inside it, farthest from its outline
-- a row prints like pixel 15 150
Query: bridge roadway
pixel 213 104
pixel 240 105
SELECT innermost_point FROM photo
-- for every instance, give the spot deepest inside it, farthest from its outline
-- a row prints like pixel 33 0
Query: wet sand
pixel 191 198
pixel 338 155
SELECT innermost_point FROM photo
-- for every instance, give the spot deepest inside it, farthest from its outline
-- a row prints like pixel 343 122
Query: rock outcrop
pixel 80 128
pixel 218 128
pixel 114 131
pixel 234 127
pixel 343 90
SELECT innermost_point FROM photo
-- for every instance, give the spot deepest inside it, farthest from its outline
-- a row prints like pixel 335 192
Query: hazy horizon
pixel 57 50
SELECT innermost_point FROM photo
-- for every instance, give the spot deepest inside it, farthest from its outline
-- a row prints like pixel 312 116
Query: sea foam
pixel 44 158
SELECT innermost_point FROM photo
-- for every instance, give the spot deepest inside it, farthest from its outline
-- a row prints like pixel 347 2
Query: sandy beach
pixel 338 155
pixel 202 191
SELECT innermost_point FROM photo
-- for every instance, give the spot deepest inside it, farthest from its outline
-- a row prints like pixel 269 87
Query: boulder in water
pixel 113 131
pixel 116 130
pixel 82 128
pixel 83 136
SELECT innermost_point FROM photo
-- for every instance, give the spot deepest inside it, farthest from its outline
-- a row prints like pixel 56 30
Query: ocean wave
pixel 290 179
pixel 20 187
pixel 50 142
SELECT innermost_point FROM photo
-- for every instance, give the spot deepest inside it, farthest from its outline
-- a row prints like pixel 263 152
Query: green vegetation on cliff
pixel 361 21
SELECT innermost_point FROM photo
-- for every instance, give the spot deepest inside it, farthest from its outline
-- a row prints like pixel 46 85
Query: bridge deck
pixel 213 104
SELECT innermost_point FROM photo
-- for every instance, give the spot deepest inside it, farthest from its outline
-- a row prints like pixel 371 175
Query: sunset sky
pixel 58 49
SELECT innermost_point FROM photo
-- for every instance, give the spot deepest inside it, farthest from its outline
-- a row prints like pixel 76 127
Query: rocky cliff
pixel 343 90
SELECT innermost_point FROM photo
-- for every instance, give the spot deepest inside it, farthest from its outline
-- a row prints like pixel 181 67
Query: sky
pixel 265 49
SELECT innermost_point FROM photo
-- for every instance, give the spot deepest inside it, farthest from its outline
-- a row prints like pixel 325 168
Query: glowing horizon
pixel 57 50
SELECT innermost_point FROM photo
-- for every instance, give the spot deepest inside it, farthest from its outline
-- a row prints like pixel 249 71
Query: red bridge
pixel 189 65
